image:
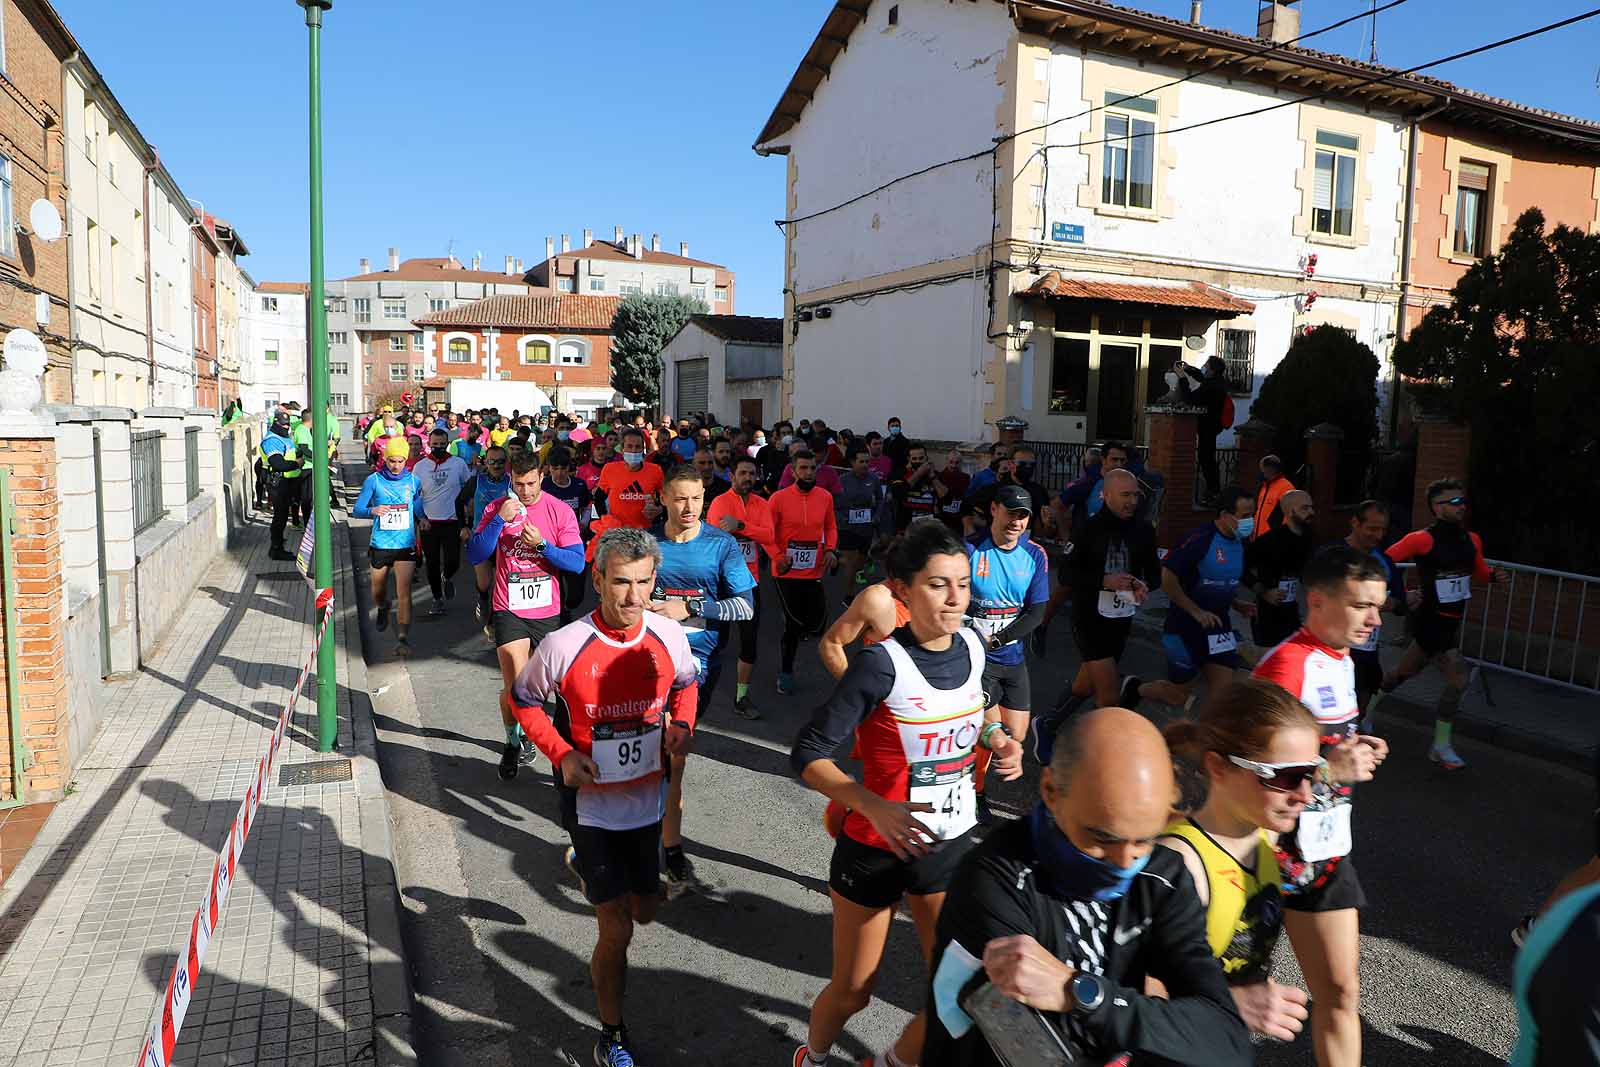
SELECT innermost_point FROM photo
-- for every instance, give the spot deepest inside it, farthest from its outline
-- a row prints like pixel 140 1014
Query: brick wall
pixel 1443 449
pixel 507 358
pixel 1172 453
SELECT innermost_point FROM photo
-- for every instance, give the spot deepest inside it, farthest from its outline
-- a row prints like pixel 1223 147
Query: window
pixel 416 342
pixel 574 353
pixel 199 328
pixel 394 309
pixel 1333 204
pixel 460 351
pixel 91 234
pixel 722 294
pixel 338 368
pixel 337 305
pixel 271 353
pixel 116 269
pixel 563 285
pixel 1127 176
pixel 91 130
pixel 698 292
pixel 338 337
pixel 340 402
pixel 363 310
pixel 418 373
pixel 7 238
pixel 630 288
pixel 536 352
pixel 1069 376
pixel 1239 353
pixel 269 303
pixel 366 374
pixel 666 288
pixel 597 285
pixel 397 342
pixel 1472 208
pixel 397 372
pixel 438 305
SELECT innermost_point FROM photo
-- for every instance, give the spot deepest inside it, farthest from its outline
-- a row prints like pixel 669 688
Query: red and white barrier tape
pixel 158 1046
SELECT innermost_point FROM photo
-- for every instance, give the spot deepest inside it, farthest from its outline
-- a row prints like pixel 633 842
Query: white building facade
pixel 272 327
pixel 728 365
pixel 171 291
pixel 1056 274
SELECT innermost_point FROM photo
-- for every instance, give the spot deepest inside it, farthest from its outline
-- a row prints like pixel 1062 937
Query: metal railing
pixel 191 460
pixel 1061 462
pixel 1227 472
pixel 148 508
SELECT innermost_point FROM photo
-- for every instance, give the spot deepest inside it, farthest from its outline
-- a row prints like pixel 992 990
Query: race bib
pixel 952 508
pixel 859 516
pixel 534 589
pixel 1323 835
pixel 1115 604
pixel 954 804
pixel 993 621
pixel 940 762
pixel 394 517
pixel 1290 588
pixel 802 555
pixel 625 752
pixel 749 550
pixel 1216 644
pixel 1453 590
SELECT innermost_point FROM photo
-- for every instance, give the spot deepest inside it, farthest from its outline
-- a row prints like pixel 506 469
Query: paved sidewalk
pixel 92 920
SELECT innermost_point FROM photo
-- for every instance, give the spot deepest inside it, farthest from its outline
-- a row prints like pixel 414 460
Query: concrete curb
pixel 392 996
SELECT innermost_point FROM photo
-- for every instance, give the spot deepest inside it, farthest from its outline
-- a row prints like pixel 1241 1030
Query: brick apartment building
pixel 624 267
pixel 33 272
pixel 207 368
pixel 560 342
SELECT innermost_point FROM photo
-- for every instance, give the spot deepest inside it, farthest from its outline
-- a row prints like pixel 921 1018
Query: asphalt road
pixel 499 936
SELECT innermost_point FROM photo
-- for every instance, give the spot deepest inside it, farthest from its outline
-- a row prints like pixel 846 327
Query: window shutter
pixel 1472 176
pixel 1322 189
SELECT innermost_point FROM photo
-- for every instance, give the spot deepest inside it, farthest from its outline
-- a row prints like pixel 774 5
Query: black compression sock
pixel 617 1034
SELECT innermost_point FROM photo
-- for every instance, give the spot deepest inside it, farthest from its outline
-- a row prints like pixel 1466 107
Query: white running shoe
pixel 1446 757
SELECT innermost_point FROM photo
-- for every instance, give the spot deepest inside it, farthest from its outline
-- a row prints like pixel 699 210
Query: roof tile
pixel 553 311
pixel 1194 295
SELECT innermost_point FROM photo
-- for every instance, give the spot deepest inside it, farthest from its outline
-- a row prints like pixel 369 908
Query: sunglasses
pixel 1280 777
pixel 1455 501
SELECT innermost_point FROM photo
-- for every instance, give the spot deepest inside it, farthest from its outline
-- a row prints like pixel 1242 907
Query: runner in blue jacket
pixel 392 498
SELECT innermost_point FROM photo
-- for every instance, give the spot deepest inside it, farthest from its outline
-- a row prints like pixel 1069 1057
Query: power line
pixel 1274 47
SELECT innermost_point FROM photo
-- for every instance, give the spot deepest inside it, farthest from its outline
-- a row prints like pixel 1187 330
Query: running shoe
pixel 1043 737
pixel 802 1057
pixel 1446 757
pixel 438 607
pixel 402 647
pixel 449 588
pixel 510 760
pixel 608 1053
pixel 529 754
pixel 380 617
pixel 680 876
pixel 833 818
pixel 785 683
pixel 1128 695
pixel 570 858
pixel 1520 932
pixel 985 816
pixel 744 709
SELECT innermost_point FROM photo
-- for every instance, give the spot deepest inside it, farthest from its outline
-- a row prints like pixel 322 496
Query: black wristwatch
pixel 1088 993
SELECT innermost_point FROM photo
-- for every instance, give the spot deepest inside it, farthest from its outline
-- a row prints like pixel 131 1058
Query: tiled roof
pixel 436 270
pixel 556 311
pixel 750 329
pixel 1192 295
pixel 608 250
pixel 296 288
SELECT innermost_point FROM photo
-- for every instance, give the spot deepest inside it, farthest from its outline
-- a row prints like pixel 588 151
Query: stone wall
pixel 171 559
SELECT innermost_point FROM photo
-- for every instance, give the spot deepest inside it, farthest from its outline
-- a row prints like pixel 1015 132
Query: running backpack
pixel 1227 411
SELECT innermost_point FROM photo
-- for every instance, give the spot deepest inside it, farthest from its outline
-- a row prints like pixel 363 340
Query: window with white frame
pixel 366 374
pixel 536 351
pixel 338 337
pixel 337 305
pixel 1473 182
pixel 722 294
pixel 630 288
pixel 397 342
pixel 436 304
pixel 666 288
pixel 340 402
pixel 91 130
pixel 563 285
pixel 397 372
pixel 597 285
pixel 1238 351
pixel 416 342
pixel 269 303
pixel 8 241
pixel 338 368
pixel 394 309
pixel 698 292
pixel 459 350
pixel 573 353
pixel 1333 195
pixel 363 309
pixel 418 373
pixel 1128 162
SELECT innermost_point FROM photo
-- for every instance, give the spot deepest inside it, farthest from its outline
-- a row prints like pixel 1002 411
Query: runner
pixel 877 461
pixel 529 537
pixel 858 512
pixel 745 514
pixel 1274 561
pixel 1201 579
pixel 489 484
pixel 915 704
pixel 442 477
pixel 392 498
pixel 467 443
pixel 1344 590
pixel 604 698
pixel 917 492
pixel 628 487
pixel 1449 559
pixel 705 465
pixel 559 483
pixel 1257 750
pixel 1369 524
pixel 1010 584
pixel 599 456
pixel 1113 566
pixel 803 539
pixel 956 482
pixel 1079 502
pixel 703 583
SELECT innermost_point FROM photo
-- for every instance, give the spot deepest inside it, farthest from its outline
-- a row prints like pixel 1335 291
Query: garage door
pixel 691 394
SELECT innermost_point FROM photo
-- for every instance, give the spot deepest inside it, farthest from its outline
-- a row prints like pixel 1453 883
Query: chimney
pixel 394 259
pixel 683 249
pixel 477 262
pixel 588 238
pixel 509 264
pixel 549 249
pixel 1279 21
pixel 520 271
pixel 366 265
pixel 566 243
pixel 1194 12
pixel 655 242
pixel 638 246
pixel 617 238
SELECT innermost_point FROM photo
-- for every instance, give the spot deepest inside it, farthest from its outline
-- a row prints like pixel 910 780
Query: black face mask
pixel 1024 471
pixel 805 484
pixel 440 453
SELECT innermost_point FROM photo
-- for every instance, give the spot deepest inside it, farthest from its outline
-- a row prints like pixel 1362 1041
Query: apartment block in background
pixel 203 254
pixel 625 266
pixel 231 296
pixel 274 357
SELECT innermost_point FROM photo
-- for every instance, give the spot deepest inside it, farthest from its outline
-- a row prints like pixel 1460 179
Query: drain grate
pixel 321 772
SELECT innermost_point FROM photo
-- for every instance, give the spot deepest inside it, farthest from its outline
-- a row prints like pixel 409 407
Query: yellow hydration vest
pixel 1245 914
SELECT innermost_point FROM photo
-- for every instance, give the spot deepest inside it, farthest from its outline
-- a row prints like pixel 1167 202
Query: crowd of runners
pixel 1131 915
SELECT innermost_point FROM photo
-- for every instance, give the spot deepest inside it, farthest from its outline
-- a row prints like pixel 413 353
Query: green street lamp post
pixel 317 330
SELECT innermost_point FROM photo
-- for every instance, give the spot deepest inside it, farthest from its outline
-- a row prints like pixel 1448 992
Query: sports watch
pixel 1088 993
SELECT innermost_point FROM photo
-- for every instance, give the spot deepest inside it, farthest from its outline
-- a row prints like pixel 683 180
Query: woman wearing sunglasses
pixel 1257 748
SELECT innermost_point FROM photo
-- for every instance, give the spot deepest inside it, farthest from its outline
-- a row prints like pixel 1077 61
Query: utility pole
pixel 1373 57
pixel 321 483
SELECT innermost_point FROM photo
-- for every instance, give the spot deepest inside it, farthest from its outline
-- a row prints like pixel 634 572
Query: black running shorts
pixel 1435 634
pixel 1007 684
pixel 509 627
pixel 1098 637
pixel 614 862
pixel 387 557
pixel 876 878
pixel 1335 889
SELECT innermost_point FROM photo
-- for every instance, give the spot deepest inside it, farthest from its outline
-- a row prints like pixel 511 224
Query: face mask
pixel 761 442
pixel 786 440
pixel 633 459
pixel 1246 528
pixel 1072 871
pixel 1024 471
pixel 894 431
pixel 440 454
pixel 805 484
pixel 562 435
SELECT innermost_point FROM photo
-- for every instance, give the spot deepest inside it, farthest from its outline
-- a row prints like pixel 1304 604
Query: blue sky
pixel 497 122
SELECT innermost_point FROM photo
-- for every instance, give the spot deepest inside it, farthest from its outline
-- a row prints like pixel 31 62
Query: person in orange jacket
pixel 1273 486
pixel 746 515
pixel 804 536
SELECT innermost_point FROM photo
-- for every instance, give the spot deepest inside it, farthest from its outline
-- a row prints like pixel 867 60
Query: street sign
pixel 406 399
pixel 1070 232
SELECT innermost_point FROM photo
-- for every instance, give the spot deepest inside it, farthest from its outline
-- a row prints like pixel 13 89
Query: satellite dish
pixel 44 220
pixel 1195 342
